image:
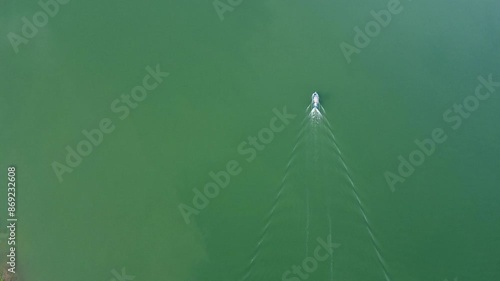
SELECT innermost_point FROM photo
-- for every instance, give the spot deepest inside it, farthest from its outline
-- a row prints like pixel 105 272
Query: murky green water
pixel 305 180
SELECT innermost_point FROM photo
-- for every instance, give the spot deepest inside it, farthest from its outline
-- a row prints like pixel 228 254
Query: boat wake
pixel 317 196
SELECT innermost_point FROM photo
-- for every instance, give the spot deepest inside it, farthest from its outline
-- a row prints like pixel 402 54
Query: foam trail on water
pixel 354 191
pixel 316 160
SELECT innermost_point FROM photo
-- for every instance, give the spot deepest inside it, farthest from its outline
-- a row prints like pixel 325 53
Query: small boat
pixel 315 100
